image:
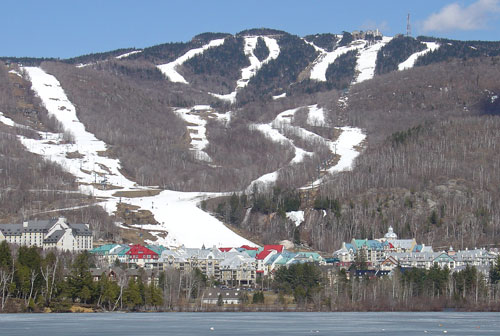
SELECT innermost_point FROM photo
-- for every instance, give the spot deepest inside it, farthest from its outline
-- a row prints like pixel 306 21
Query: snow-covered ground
pixel 15 72
pixel 169 69
pixel 255 64
pixel 177 212
pixel 318 71
pixel 316 116
pixel 128 54
pixel 410 62
pixel 197 129
pixel 367 60
pixel 296 216
pixel 344 146
pixel 283 95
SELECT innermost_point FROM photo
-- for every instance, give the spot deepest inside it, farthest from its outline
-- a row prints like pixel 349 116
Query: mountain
pixel 258 137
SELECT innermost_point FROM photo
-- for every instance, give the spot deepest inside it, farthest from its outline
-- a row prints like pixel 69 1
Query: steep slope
pixel 279 135
pixel 198 227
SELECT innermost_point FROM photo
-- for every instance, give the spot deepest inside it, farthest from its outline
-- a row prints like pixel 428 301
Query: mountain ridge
pixel 182 136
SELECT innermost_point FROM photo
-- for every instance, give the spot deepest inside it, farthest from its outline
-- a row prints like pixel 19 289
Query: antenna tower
pixel 408 26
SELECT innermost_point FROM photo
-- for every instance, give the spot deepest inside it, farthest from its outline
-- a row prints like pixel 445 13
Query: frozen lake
pixel 261 324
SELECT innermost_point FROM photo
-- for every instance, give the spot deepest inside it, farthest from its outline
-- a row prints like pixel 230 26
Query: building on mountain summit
pixel 51 233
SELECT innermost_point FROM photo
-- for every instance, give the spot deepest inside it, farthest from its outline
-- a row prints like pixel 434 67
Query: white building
pixel 52 233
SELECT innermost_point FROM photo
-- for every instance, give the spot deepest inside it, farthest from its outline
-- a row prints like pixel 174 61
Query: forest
pixel 428 165
pixel 32 280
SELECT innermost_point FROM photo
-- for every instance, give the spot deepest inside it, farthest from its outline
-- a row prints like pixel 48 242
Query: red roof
pixel 277 248
pixel 225 249
pixel 141 252
pixel 262 255
pixel 259 271
pixel 249 248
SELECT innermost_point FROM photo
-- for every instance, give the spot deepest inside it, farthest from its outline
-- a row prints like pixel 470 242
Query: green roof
pixel 156 248
pixel 104 249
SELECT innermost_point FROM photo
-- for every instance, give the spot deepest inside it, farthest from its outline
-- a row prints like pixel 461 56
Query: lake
pixel 242 324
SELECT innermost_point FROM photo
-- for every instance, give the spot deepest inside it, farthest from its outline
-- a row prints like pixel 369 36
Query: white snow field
pixel 177 212
pixel 410 62
pixel 367 60
pixel 255 64
pixel 169 69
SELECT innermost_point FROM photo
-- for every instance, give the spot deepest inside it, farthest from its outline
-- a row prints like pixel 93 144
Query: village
pixel 232 271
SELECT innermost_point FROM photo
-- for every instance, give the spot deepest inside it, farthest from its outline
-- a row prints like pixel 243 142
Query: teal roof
pixel 104 249
pixel 252 253
pixel 285 258
pixel 310 255
pixel 369 243
pixel 156 248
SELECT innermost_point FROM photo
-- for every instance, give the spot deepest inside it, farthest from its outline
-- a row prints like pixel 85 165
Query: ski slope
pixel 344 146
pixel 320 65
pixel 177 212
pixel 410 62
pixel 255 64
pixel 169 69
pixel 197 129
pixel 367 60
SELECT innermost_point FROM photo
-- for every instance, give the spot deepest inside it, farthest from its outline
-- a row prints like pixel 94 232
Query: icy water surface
pixel 255 324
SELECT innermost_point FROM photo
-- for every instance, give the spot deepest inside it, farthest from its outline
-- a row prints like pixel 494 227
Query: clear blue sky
pixel 67 28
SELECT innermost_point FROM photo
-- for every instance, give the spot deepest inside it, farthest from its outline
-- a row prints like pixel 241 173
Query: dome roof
pixel 390 234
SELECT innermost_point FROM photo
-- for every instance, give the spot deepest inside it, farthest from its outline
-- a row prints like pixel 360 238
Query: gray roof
pixel 184 254
pixel 33 226
pixel 54 237
pixel 80 229
pixel 42 226
pixel 237 260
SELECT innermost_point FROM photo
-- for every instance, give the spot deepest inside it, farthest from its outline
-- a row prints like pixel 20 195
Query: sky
pixel 66 28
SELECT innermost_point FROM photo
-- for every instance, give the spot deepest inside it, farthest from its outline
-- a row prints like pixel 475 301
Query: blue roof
pixel 350 246
pixel 369 243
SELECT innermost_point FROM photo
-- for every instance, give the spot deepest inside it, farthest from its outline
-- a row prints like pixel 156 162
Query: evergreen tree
pixel 220 302
pixel 495 272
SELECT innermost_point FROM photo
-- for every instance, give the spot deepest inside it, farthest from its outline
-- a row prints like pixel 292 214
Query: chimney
pixel 25 224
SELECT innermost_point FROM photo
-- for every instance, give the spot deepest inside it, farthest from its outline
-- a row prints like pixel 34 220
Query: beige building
pixel 51 233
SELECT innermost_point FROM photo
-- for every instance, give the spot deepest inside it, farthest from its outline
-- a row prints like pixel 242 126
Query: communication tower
pixel 408 26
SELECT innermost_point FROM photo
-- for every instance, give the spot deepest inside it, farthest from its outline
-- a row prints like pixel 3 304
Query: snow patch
pixel 283 95
pixel 316 116
pixel 7 121
pixel 15 73
pixel 128 54
pixel 169 69
pixel 296 216
pixel 410 62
